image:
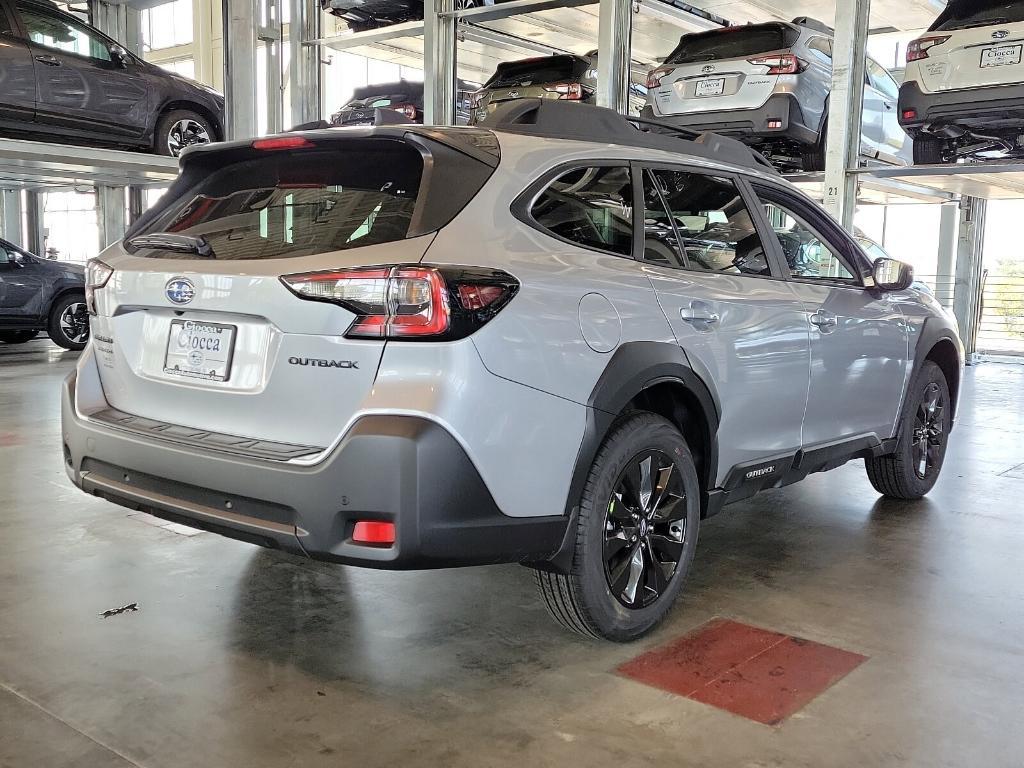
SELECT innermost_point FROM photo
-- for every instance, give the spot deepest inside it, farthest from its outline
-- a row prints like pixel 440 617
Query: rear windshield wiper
pixel 170 241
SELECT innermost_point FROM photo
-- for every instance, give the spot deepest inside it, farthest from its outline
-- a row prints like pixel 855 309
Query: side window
pixel 808 255
pixel 661 245
pixel 821 46
pixel 882 81
pixel 5 23
pixel 716 231
pixel 590 206
pixel 62 34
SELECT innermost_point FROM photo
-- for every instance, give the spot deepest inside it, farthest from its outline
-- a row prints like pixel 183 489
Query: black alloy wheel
pixel 645 529
pixel 929 431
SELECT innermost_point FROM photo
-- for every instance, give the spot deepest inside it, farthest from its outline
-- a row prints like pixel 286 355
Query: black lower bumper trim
pixel 750 125
pixel 983 109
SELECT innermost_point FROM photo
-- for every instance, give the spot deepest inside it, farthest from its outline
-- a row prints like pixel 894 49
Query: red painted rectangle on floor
pixel 762 675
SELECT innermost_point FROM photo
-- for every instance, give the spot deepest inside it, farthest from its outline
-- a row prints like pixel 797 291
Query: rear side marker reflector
pixel 373 532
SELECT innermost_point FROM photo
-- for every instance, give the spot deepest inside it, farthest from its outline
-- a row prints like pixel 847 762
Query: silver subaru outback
pixel 769 85
pixel 552 340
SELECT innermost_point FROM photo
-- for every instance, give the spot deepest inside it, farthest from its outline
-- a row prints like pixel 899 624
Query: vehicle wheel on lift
pixel 911 471
pixel 17 337
pixel 929 151
pixel 813 157
pixel 636 534
pixel 69 323
pixel 179 129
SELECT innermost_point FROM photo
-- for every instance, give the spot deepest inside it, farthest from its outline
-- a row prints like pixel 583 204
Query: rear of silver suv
pixel 768 85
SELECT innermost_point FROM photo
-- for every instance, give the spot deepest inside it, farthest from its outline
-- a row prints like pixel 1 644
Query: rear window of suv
pixel 733 43
pixel 342 194
pixel 978 13
pixel 549 69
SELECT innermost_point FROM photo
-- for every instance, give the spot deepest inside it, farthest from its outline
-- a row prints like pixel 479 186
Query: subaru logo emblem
pixel 708 68
pixel 1001 34
pixel 180 290
pixel 513 94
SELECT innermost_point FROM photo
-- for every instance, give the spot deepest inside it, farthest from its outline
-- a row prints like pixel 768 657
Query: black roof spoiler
pixel 564 120
pixel 817 26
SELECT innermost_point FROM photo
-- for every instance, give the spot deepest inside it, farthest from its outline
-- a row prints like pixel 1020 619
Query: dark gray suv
pixel 60 78
pixel 40 295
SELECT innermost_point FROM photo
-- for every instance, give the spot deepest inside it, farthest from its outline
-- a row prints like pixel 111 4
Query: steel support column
pixel 438 62
pixel 968 286
pixel 119 21
pixel 34 236
pixel 111 209
pixel 949 227
pixel 614 37
pixel 10 216
pixel 846 109
pixel 240 28
pixel 304 71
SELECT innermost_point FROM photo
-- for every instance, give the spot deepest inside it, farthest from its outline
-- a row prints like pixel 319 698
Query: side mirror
pixel 119 55
pixel 892 275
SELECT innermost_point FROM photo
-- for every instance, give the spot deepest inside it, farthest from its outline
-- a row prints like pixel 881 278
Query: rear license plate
pixel 714 87
pixel 1001 56
pixel 200 350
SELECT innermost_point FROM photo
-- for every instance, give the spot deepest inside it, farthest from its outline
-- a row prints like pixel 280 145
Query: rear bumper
pixel 978 108
pixel 402 469
pixel 748 124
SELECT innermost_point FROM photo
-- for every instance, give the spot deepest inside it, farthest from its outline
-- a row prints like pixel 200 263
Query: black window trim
pixel 522 206
pixel 749 199
pixel 825 229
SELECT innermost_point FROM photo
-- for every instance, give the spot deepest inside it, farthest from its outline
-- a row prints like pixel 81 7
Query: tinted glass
pixel 717 232
pixel 733 43
pixel 822 46
pixel 549 69
pixel 661 246
pixel 590 206
pixel 882 80
pixel 57 32
pixel 5 22
pixel 291 204
pixel 963 14
pixel 807 254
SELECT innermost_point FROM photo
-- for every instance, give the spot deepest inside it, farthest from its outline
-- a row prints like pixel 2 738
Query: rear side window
pixel 290 204
pixel 592 207
pixel 961 14
pixel 733 43
pixel 549 69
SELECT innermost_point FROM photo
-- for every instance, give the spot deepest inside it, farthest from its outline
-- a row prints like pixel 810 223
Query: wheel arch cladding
pixel 943 353
pixel 656 377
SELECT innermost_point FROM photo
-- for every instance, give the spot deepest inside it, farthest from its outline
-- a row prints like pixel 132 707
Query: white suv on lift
pixel 963 95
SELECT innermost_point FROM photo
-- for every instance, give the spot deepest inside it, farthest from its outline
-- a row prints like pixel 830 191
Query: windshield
pixel 733 43
pixel 978 13
pixel 290 204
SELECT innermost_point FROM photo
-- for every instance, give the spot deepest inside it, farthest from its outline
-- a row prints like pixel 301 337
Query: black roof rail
pixel 584 122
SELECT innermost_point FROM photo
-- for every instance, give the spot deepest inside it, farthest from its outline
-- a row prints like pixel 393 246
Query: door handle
pixel 825 322
pixel 50 61
pixel 699 313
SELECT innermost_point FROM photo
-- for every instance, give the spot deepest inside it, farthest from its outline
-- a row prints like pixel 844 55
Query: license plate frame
pixel 712 86
pixel 187 358
pixel 990 62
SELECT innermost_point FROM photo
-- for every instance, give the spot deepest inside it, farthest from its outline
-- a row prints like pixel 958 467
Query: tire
pixel 929 151
pixel 911 471
pixel 68 326
pixel 179 129
pixel 813 157
pixel 17 337
pixel 618 535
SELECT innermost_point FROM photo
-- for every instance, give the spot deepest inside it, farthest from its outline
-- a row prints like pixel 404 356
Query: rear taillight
pixel 97 275
pixel 568 91
pixel 410 302
pixel 918 49
pixel 780 64
pixel 409 110
pixel 655 75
